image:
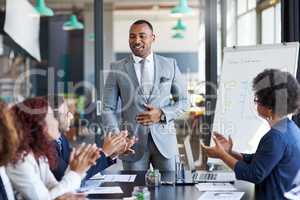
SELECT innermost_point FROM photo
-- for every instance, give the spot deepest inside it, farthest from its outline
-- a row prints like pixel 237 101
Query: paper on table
pixel 215 187
pixel 294 194
pixel 119 178
pixel 105 190
pixel 22 24
pixel 221 196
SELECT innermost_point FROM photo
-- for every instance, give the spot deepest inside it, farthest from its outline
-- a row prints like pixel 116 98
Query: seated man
pixel 112 147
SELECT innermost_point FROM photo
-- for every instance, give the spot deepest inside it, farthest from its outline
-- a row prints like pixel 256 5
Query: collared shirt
pixel 6 184
pixel 149 67
pixel 32 179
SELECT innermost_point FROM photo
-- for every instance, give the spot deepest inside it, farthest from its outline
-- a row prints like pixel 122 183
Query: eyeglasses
pixel 256 101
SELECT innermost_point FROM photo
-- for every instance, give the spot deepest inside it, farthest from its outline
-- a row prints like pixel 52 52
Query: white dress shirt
pixel 7 184
pixel 149 67
pixel 34 180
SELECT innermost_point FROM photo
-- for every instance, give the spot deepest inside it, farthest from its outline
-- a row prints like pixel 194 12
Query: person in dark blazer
pixel 112 146
pixel 8 146
pixel 274 165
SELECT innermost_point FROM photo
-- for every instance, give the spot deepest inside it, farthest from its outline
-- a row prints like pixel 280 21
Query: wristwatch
pixel 163 117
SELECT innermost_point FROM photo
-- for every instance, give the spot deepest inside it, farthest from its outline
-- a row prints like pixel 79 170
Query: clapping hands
pixel 222 145
pixel 118 144
pixel 82 158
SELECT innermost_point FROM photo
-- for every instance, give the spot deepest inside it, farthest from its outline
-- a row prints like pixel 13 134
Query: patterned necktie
pixel 145 79
pixel 3 195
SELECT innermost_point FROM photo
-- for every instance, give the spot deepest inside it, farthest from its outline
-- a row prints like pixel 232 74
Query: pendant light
pixel 181 8
pixel 42 9
pixel 73 24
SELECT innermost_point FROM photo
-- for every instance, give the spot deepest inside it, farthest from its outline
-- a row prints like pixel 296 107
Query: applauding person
pixel 276 162
pixel 30 170
pixel 112 146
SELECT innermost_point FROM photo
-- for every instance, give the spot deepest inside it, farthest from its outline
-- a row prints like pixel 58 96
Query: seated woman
pixel 111 148
pixel 8 146
pixel 30 170
pixel 276 161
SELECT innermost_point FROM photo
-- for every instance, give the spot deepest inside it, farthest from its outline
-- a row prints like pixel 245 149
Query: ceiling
pixel 117 4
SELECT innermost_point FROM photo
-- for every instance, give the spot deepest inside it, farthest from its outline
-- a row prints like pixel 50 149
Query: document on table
pixel 105 190
pixel 119 178
pixel 115 177
pixel 221 196
pixel 215 187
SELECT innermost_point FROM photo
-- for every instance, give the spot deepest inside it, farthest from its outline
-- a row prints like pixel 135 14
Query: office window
pixel 278 23
pixel 246 22
pixel 246 31
pixel 242 6
pixel 251 4
pixel 268 26
pixel 271 25
pixel 231 23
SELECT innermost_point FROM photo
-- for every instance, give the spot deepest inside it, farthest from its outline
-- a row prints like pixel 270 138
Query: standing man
pixel 152 94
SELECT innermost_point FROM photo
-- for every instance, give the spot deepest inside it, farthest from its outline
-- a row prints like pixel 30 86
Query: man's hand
pixel 114 143
pixel 149 117
pixel 129 143
pixel 82 158
pixel 126 148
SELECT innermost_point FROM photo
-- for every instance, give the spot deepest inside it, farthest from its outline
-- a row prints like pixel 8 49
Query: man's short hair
pixel 142 21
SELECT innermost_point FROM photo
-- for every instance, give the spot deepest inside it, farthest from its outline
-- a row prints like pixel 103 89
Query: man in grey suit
pixel 152 94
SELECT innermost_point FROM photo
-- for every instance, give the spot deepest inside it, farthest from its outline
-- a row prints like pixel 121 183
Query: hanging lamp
pixel 42 9
pixel 181 8
pixel 73 24
pixel 180 26
pixel 178 35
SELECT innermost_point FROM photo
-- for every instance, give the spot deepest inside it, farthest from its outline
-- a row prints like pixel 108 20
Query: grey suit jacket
pixel 122 84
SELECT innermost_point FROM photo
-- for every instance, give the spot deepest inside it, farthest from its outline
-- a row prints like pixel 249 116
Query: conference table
pixel 165 192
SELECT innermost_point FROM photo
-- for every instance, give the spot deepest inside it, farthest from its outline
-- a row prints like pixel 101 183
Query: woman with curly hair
pixel 274 165
pixel 30 170
pixel 8 146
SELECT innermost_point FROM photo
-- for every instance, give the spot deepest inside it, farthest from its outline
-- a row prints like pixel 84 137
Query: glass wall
pixel 271 25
